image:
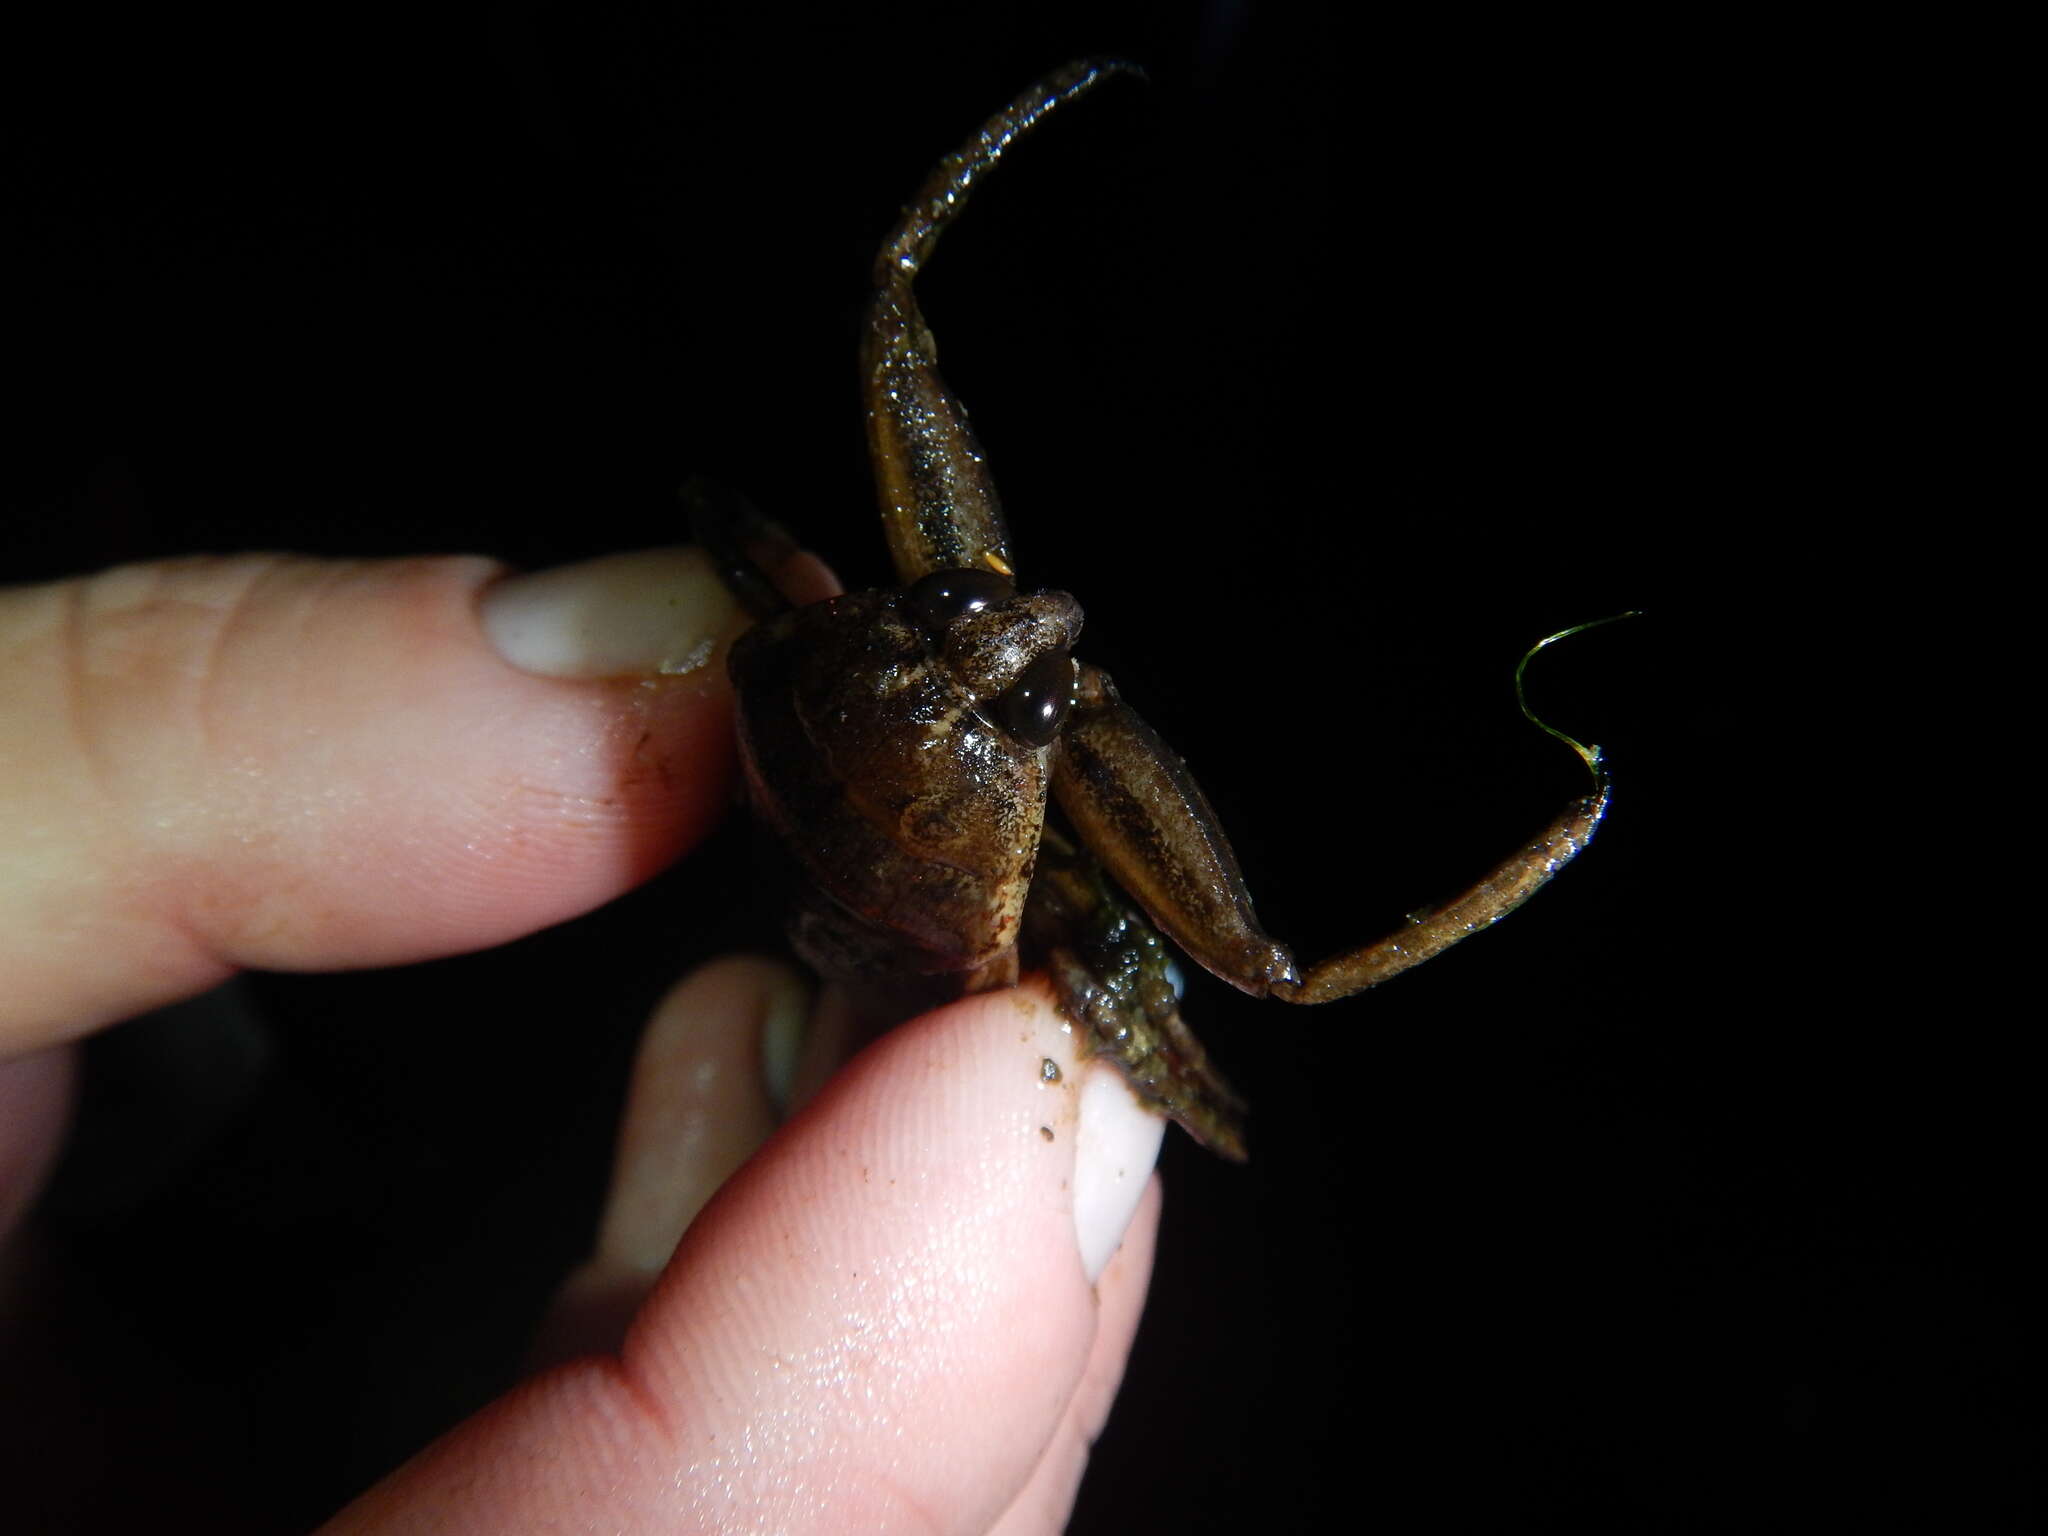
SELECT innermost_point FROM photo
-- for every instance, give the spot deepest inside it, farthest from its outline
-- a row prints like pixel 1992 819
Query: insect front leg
pixel 939 506
pixel 1134 803
pixel 745 545
pixel 1115 977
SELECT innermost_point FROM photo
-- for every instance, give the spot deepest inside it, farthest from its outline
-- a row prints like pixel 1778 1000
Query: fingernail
pixel 785 1024
pixel 1116 1143
pixel 655 613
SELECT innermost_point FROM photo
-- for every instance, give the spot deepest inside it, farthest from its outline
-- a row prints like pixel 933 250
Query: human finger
pixel 1047 1499
pixel 297 764
pixel 698 1104
pixel 35 1103
pixel 881 1323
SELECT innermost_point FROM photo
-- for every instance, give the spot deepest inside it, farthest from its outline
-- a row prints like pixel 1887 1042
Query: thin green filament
pixel 1589 755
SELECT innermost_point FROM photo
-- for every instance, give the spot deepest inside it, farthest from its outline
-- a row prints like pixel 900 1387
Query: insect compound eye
pixel 1034 707
pixel 943 596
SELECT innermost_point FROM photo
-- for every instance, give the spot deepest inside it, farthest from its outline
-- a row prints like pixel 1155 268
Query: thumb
pixel 908 1312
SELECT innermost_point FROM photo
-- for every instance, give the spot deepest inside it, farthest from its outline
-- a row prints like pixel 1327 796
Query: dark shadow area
pixel 1329 372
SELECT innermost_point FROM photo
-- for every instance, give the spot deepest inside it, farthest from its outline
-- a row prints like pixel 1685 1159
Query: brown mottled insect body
pixel 903 745
pixel 871 728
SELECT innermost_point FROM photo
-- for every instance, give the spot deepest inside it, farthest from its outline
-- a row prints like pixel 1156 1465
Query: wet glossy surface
pixel 903 746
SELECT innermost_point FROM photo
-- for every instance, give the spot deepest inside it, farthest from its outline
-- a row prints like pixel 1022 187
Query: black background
pixel 1328 370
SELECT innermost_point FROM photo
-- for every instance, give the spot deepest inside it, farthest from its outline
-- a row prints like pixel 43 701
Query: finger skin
pixel 297 764
pixel 696 1109
pixel 881 1324
pixel 35 1104
pixel 1047 1501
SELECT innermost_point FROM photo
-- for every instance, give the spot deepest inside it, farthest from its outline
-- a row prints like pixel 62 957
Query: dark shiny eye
pixel 1035 707
pixel 943 596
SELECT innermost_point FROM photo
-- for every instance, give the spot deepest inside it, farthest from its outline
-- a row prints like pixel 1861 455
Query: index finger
pixel 296 764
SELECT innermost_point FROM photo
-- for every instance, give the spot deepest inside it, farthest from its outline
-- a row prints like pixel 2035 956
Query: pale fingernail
pixel 655 613
pixel 1116 1143
pixel 785 1024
